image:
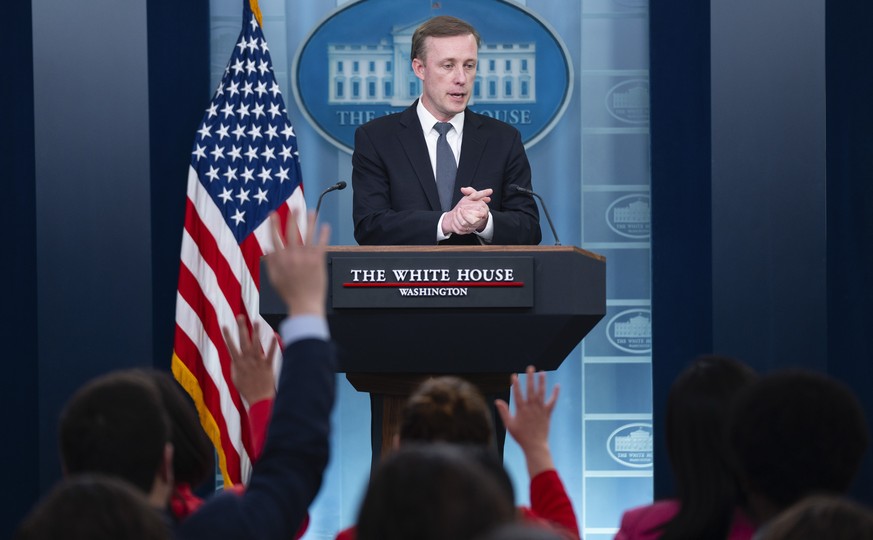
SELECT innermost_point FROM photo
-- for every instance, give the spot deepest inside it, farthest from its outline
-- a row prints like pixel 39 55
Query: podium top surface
pixel 465 249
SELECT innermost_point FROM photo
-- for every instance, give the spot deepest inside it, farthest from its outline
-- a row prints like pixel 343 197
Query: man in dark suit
pixel 402 197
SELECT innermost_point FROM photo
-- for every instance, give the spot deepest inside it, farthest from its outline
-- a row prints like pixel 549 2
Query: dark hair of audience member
pixel 698 406
pixel 447 409
pixel 193 454
pixel 93 507
pixel 522 531
pixel 432 491
pixel 116 424
pixel 797 433
pixel 822 516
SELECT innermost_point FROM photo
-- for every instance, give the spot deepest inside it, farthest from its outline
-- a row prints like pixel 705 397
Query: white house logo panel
pixel 355 66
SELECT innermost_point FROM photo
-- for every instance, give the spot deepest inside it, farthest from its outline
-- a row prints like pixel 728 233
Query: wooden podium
pixel 400 314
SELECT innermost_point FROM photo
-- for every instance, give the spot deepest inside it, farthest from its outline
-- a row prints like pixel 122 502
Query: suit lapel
pixel 472 148
pixel 412 140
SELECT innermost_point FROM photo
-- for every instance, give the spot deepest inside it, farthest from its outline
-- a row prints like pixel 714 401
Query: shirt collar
pixel 428 120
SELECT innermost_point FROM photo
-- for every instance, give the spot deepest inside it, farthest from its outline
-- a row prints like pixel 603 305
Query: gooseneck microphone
pixel 517 187
pixel 336 187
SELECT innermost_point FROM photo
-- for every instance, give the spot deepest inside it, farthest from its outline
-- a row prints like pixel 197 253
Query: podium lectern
pixel 399 314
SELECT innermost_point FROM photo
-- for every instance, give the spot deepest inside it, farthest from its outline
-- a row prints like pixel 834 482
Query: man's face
pixel 448 73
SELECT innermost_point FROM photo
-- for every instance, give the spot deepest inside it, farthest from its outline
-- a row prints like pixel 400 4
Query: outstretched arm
pixel 530 429
pixel 288 475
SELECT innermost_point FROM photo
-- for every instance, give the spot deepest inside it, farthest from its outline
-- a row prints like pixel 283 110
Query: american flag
pixel 244 165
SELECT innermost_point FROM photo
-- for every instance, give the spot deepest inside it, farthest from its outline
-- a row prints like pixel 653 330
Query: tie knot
pixel 442 127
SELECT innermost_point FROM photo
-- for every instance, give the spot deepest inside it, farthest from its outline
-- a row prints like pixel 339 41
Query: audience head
pixel 698 406
pixel 822 516
pixel 193 454
pixel 522 531
pixel 447 409
pixel 433 492
pixel 116 425
pixel 93 507
pixel 796 433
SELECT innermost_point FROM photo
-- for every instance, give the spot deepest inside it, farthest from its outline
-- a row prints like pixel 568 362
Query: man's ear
pixel 418 68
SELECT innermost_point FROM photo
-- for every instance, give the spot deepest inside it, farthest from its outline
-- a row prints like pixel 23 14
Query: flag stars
pixel 261 89
pixel 243 195
pixel 255 132
pixel 264 175
pixel 258 111
pixel 243 111
pixel 261 196
pixel 271 132
pixel 282 175
pixel 267 154
pixel 227 110
pixel 235 153
pixel 264 47
pixel 212 173
pixel 288 131
pixel 238 217
pixel 225 196
pixel 217 152
pixel 199 151
pixel 263 67
pixel 274 110
pixel 233 88
pixel 222 132
pixel 274 89
pixel 248 175
pixel 252 44
pixel 204 131
pixel 254 23
pixel 230 174
pixel 252 153
pixel 239 131
pixel 247 89
pixel 212 110
pixel 241 44
pixel 250 66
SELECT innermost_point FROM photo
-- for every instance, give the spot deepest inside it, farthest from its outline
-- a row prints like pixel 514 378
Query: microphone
pixel 336 187
pixel 518 188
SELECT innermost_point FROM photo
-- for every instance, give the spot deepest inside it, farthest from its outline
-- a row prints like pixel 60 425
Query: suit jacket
pixel 638 523
pixel 288 474
pixel 395 195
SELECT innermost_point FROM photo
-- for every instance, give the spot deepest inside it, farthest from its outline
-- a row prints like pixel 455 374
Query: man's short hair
pixel 116 425
pixel 447 409
pixel 441 26
pixel 797 433
pixel 93 507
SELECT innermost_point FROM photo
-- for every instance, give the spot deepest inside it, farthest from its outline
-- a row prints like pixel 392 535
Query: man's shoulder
pixel 389 121
pixel 485 122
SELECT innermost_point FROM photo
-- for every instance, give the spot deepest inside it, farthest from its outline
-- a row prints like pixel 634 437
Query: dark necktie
pixel 446 167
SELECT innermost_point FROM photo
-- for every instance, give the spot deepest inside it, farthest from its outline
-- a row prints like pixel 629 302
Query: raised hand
pixel 298 267
pixel 530 425
pixel 250 369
